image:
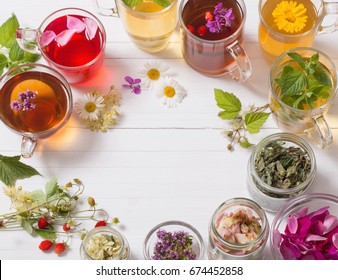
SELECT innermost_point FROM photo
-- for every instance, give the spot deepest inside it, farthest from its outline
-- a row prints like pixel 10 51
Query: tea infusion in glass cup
pixel 290 24
pixel 212 37
pixel 35 101
pixel 148 24
pixel 70 40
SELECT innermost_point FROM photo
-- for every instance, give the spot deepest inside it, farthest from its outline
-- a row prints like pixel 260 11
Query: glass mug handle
pixel 320 134
pixel 330 8
pixel 111 11
pixel 27 39
pixel 242 60
pixel 28 146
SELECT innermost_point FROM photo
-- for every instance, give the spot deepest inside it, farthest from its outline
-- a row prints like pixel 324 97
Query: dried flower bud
pixel 83 235
pixel 19 188
pixel 230 147
pixel 76 197
pixel 116 220
pixel 68 185
pixel 77 181
pixel 54 208
pixel 91 201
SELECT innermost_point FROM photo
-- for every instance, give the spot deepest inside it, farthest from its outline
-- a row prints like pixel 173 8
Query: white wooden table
pixel 157 164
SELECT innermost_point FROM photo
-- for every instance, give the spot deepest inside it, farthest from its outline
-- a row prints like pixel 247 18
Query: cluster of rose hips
pixel 201 30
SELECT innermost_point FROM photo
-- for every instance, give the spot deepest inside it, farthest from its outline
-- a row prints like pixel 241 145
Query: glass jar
pixel 152 239
pixel 95 245
pixel 302 210
pixel 255 218
pixel 272 198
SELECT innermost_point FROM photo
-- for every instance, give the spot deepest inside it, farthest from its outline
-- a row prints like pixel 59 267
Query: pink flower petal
pixel 47 37
pixel 75 24
pixel 314 237
pixel 277 237
pixel 301 212
pixel 292 222
pixel 335 240
pixel 330 222
pixel 63 38
pixel 91 27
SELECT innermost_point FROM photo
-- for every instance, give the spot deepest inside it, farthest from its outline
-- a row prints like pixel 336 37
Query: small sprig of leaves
pixel 305 85
pixel 10 52
pixel 134 3
pixel 242 121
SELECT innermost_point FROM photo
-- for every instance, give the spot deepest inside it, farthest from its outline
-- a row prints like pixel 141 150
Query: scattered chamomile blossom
pixel 106 106
pixel 24 101
pixel 133 84
pixel 89 106
pixel 152 73
pixel 170 92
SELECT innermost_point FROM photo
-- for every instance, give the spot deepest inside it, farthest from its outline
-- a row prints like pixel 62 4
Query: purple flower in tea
pixel 309 236
pixel 24 101
pixel 133 84
pixel 222 17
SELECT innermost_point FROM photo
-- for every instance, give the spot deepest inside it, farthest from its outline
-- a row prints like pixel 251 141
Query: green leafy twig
pixel 242 121
pixel 10 52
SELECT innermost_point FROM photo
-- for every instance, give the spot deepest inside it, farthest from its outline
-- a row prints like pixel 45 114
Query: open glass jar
pixel 104 243
pixel 292 156
pixel 239 230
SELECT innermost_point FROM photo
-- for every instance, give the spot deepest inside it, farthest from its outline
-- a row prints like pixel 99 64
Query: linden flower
pixel 152 73
pixel 289 16
pixel 89 106
pixel 170 92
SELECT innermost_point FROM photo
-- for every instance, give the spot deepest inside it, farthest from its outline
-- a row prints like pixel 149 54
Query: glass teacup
pixel 308 117
pixel 290 24
pixel 70 40
pixel 148 24
pixel 35 101
pixel 212 37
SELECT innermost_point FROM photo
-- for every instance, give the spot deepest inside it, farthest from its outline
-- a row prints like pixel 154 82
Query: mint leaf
pixel 7 30
pixel 245 144
pixel 229 102
pixel 321 76
pixel 163 3
pixel 254 121
pixel 46 233
pixel 298 58
pixel 16 53
pixel 132 3
pixel 11 169
pixel 293 82
pixel 31 57
pixel 51 187
pixel 27 226
pixel 3 63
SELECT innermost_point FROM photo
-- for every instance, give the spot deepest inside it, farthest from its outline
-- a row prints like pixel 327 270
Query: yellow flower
pixel 289 16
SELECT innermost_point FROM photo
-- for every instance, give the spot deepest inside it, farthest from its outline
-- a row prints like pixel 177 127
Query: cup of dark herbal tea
pixel 281 167
pixel 35 101
pixel 212 37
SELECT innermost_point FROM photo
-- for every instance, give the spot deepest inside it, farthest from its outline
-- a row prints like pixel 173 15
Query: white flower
pixel 152 73
pixel 170 92
pixel 89 106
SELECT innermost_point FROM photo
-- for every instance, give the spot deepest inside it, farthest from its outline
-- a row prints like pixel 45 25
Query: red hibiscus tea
pixel 212 35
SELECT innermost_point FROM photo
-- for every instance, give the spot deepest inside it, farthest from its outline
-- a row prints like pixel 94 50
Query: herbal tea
pixel 287 24
pixel 33 102
pixel 72 40
pixel 219 25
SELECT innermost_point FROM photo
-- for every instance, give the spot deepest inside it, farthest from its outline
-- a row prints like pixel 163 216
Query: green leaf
pixel 46 233
pixel 31 57
pixel 297 102
pixel 293 82
pixel 162 3
pixel 16 53
pixel 11 169
pixel 321 76
pixel 254 121
pixel 298 58
pixel 314 60
pixel 245 144
pixel 3 63
pixel 132 3
pixel 27 226
pixel 38 196
pixel 229 102
pixel 7 31
pixel 51 187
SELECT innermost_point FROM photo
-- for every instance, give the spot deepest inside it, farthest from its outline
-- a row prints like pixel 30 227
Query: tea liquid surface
pixel 79 51
pixel 50 101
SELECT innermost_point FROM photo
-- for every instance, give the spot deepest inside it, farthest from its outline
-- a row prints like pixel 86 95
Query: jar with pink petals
pixel 238 230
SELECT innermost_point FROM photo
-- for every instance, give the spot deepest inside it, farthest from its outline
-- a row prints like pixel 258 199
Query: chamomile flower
pixel 170 92
pixel 152 73
pixel 89 106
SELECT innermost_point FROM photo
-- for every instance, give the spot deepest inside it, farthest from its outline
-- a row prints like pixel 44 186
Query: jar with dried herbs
pixel 104 243
pixel 239 230
pixel 281 167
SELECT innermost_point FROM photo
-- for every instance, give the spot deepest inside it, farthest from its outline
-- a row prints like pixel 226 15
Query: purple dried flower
pixel 23 103
pixel 27 106
pixel 218 7
pixel 16 105
pixel 30 94
pixel 133 84
pixel 222 16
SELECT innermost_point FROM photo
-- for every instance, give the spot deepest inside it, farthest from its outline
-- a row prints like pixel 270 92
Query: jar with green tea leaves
pixel 281 167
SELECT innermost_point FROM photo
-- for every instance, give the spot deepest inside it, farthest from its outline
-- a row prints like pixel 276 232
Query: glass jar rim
pixel 249 204
pixel 291 138
pixel 173 223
